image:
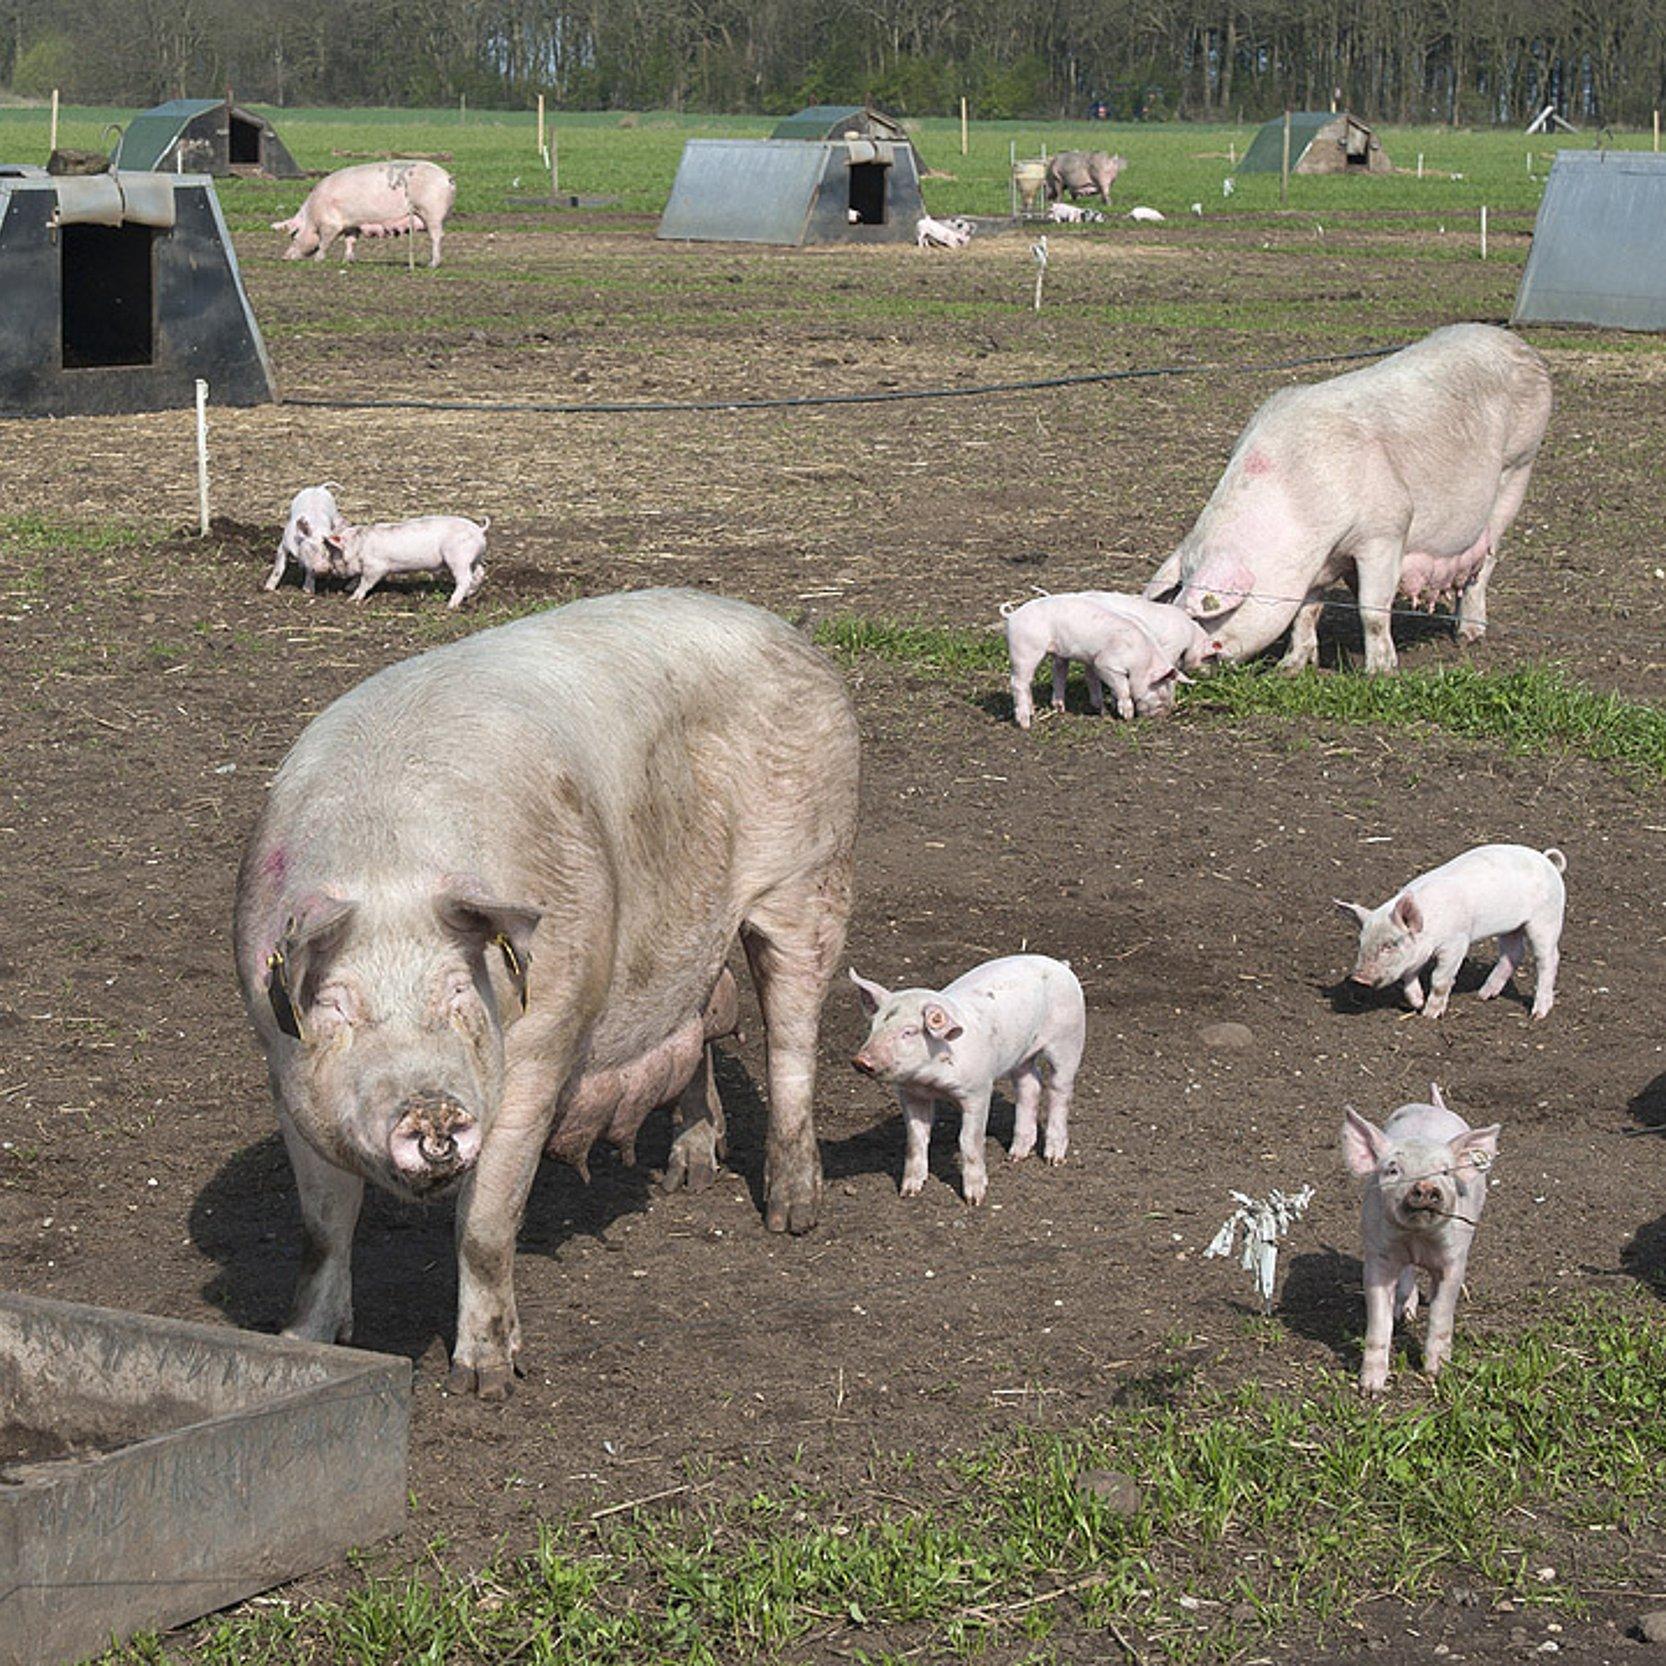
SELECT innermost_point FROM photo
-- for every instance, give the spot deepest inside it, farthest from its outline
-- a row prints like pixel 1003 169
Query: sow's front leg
pixel 794 937
pixel 322 1309
pixel 489 1211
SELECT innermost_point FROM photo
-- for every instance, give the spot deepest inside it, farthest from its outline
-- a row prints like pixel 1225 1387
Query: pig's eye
pixel 909 1031
pixel 1391 1171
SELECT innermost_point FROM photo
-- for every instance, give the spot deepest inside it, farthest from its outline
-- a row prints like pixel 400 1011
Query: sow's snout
pixel 434 1142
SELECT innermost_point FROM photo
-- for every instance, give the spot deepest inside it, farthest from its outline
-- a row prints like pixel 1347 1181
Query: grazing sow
pixel 427 544
pixel 1020 1019
pixel 1509 892
pixel 1083 173
pixel 1426 1179
pixel 1114 649
pixel 371 199
pixel 486 910
pixel 1401 478
pixel 313 516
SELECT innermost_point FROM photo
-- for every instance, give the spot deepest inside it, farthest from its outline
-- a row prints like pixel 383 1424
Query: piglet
pixel 1181 638
pixel 427 544
pixel 1505 891
pixel 312 517
pixel 1426 1180
pixel 941 234
pixel 1005 1020
pixel 1114 649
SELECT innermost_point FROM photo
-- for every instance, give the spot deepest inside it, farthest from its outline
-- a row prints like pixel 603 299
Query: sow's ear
pixel 484 920
pixel 1363 1143
pixel 310 936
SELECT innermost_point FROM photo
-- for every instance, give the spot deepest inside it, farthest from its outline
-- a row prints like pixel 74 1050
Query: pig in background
pixel 427 544
pixel 1020 1019
pixel 1426 1179
pixel 1401 478
pixel 313 516
pixel 487 908
pixel 1509 892
pixel 1083 173
pixel 1114 648
pixel 371 199
pixel 930 233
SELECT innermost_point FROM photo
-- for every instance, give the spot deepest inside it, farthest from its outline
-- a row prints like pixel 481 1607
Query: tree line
pixel 1460 61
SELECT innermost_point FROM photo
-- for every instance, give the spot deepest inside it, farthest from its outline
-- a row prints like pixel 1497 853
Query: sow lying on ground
pixel 486 910
pixel 1401 478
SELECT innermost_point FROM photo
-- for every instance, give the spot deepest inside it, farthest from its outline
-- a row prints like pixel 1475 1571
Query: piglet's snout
pixel 864 1065
pixel 434 1140
pixel 1423 1194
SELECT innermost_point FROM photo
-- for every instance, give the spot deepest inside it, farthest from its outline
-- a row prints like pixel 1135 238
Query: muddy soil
pixel 1186 870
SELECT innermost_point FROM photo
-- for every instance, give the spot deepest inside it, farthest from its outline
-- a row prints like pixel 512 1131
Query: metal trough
pixel 153 1470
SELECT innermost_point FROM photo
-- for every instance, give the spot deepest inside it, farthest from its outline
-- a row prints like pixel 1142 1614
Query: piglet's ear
pixel 940 1022
pixel 483 921
pixel 1478 1145
pixel 871 995
pixel 303 526
pixel 1364 1145
pixel 1407 914
pixel 311 935
pixel 1359 914
pixel 1435 1098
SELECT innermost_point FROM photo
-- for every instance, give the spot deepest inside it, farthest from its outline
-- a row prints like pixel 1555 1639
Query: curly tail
pixel 1556 859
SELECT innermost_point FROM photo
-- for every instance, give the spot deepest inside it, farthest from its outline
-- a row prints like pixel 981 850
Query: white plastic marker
pixel 1420 164
pixel 1039 250
pixel 202 456
pixel 1483 231
pixel 1264 1221
pixel 52 143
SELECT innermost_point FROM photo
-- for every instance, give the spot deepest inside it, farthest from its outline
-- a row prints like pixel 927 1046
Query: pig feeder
pixel 153 1470
pixel 122 289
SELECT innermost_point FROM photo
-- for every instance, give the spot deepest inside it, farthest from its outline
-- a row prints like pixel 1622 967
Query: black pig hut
pixel 121 290
pixel 204 136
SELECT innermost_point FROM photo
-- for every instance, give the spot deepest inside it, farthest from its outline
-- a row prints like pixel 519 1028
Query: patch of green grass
pixel 1260 1512
pixel 1536 708
pixel 22 535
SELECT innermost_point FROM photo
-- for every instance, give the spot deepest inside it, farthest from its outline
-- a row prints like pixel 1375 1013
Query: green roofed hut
pixel 1320 143
pixel 204 136
pixel 830 174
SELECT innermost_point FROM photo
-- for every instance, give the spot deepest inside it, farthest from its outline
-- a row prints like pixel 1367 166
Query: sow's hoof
pixel 793 1208
pixel 491 1382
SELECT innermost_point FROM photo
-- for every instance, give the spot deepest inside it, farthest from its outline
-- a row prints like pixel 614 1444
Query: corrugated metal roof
pixel 1599 243
pixel 744 191
pixel 833 121
pixel 1266 152
pixel 149 136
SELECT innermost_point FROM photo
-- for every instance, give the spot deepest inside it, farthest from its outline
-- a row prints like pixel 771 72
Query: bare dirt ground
pixel 1186 870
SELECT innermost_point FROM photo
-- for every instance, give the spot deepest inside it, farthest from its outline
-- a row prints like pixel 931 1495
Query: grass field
pixel 634 157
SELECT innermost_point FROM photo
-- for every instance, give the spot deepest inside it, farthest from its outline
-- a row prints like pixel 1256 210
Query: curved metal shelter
pixel 204 136
pixel 840 121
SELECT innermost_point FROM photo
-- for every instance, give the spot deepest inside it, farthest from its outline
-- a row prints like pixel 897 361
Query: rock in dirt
pixel 1651 1627
pixel 1227 1037
pixel 1119 1493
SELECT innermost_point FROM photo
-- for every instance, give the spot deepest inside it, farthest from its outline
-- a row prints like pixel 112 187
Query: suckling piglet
pixel 1505 891
pixel 1426 1180
pixel 1021 1018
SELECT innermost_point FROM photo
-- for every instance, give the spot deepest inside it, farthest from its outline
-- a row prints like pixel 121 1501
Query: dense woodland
pixel 1471 61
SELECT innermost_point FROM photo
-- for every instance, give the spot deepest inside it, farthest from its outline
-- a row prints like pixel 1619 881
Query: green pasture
pixel 1171 165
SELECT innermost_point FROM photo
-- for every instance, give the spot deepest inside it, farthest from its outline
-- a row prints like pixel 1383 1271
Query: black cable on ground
pixel 794 401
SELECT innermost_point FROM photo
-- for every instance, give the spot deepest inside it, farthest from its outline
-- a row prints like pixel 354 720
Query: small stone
pixel 1118 1493
pixel 1651 1627
pixel 1460 1596
pixel 1227 1037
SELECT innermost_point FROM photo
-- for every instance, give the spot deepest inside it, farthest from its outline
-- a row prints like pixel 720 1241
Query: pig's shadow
pixel 880 1149
pixel 1347 997
pixel 1342 638
pixel 1644 1258
pixel 1321 1300
pixel 247 1219
pixel 997 703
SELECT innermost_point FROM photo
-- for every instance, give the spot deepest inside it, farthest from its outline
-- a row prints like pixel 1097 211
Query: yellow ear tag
pixel 288 1015
pixel 513 960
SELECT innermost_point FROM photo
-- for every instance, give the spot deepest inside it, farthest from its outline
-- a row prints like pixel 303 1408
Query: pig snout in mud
pixel 434 1142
